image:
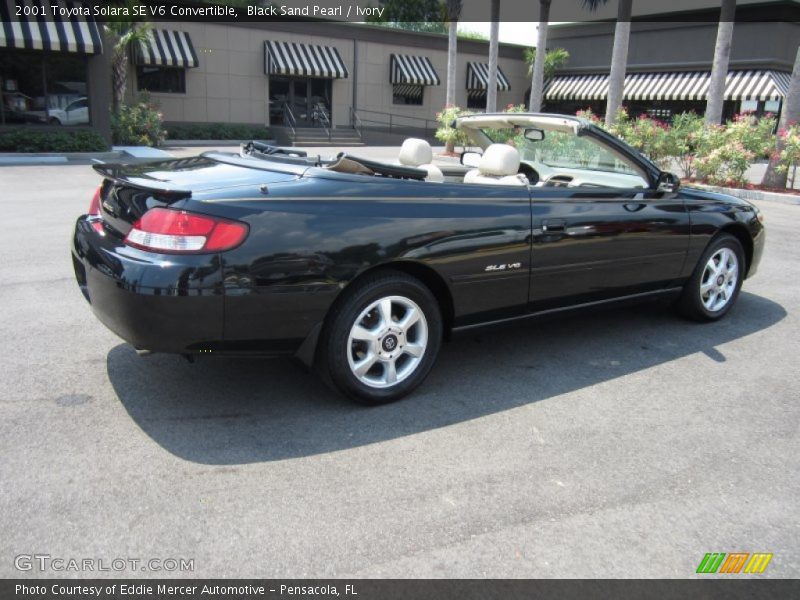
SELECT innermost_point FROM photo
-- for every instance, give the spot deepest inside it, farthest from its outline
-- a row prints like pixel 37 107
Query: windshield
pixel 564 150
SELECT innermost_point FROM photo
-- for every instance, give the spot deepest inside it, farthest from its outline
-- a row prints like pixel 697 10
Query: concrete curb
pixel 52 158
pixel 191 143
pixel 752 195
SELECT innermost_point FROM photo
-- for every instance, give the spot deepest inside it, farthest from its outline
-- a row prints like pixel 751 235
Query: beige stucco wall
pixel 375 91
pixel 230 86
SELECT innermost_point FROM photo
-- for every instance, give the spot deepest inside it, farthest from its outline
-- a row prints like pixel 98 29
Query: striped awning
pixel 167 48
pixel 408 90
pixel 478 77
pixel 54 32
pixel 683 85
pixel 290 58
pixel 416 70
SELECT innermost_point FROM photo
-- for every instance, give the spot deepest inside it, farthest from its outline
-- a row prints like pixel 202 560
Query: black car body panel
pixel 488 252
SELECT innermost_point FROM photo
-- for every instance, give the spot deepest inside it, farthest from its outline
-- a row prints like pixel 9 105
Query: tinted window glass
pixel 161 79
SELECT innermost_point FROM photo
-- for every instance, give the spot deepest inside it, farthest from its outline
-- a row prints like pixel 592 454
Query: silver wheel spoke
pixel 712 297
pixel 415 350
pixel 706 287
pixel 363 334
pixel 409 320
pixel 391 371
pixel 385 311
pixel 362 367
pixel 732 274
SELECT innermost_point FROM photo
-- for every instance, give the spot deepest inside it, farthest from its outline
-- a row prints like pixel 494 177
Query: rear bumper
pixel 156 302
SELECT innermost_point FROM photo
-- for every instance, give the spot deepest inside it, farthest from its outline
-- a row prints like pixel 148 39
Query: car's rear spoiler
pixel 127 176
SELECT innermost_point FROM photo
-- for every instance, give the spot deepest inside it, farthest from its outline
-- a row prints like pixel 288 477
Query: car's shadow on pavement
pixel 235 411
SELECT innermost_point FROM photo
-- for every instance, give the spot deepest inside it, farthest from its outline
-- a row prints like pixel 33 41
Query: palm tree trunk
pixel 452 48
pixel 119 77
pixel 494 32
pixel 790 113
pixel 537 79
pixel 619 61
pixel 719 70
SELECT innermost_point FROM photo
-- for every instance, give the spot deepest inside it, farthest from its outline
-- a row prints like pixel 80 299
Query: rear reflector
pixel 178 231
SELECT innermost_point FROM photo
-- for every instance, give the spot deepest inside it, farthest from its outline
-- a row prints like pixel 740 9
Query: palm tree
pixel 553 60
pixel 790 113
pixel 619 55
pixel 719 70
pixel 453 13
pixel 494 31
pixel 537 77
pixel 123 35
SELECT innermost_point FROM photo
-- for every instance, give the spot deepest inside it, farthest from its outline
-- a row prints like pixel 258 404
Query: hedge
pixel 28 140
pixel 216 131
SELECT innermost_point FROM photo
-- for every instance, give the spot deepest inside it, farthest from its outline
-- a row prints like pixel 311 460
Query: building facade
pixel 318 73
pixel 304 74
pixel 669 64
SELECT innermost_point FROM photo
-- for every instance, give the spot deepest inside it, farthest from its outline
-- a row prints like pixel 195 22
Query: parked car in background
pixel 75 113
pixel 361 269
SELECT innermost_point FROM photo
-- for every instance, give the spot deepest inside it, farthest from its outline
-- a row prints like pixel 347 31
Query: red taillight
pixel 178 231
pixel 94 205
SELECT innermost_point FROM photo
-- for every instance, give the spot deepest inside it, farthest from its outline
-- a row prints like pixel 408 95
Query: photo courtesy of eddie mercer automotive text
pixel 362 269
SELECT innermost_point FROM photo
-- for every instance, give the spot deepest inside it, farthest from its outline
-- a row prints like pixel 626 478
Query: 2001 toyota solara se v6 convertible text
pixel 361 268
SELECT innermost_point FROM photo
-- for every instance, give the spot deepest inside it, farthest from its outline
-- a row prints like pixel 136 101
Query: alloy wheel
pixel 718 283
pixel 387 341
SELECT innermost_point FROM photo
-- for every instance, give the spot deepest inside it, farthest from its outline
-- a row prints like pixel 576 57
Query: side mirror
pixel 470 159
pixel 668 182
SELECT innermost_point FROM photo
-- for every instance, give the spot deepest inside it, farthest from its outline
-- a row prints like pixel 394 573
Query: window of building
pixel 407 94
pixel 476 101
pixel 43 89
pixel 163 80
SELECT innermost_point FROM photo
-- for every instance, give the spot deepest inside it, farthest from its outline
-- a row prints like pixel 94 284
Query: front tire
pixel 382 338
pixel 714 286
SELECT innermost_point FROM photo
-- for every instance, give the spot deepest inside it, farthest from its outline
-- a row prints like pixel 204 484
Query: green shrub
pixel 446 133
pixel 687 131
pixel 138 125
pixel 216 131
pixel 718 154
pixel 788 156
pixel 28 140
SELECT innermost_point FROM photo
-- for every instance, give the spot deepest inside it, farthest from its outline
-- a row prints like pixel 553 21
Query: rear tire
pixel 382 338
pixel 714 286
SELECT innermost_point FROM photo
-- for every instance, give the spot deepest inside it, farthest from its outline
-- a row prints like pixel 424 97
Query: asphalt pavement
pixel 628 443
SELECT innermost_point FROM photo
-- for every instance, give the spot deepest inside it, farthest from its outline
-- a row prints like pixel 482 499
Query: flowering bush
pixel 651 137
pixel 789 156
pixel 719 154
pixel 722 162
pixel 687 132
pixel 446 132
pixel 725 152
pixel 138 125
pixel 754 133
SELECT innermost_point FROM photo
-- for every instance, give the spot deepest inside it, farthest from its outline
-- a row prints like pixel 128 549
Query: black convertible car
pixel 362 268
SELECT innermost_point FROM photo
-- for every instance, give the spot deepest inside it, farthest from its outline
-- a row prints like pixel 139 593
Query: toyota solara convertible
pixel 362 268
